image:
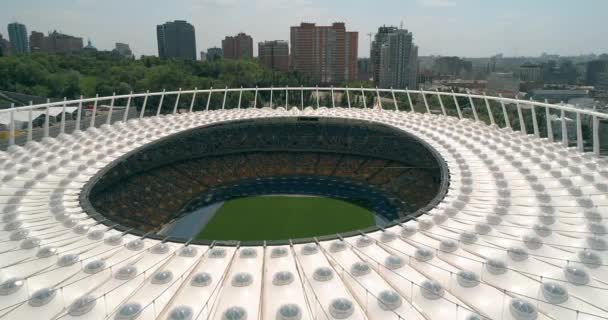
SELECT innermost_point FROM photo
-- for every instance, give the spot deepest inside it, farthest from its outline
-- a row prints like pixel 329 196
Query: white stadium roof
pixel 520 235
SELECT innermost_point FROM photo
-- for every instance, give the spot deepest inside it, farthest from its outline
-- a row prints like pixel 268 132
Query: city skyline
pixel 518 28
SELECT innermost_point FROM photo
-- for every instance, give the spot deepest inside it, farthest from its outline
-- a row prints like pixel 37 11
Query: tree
pixel 58 76
pixel 344 100
pixel 326 101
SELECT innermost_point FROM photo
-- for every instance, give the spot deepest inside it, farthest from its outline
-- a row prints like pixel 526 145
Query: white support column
pixel 143 107
pixel 78 114
pixel 255 98
pixel 179 94
pixel 209 98
pixel 240 97
pixel 441 103
pixel 549 124
pixel 564 129
pixel 579 132
pixel 534 121
pixel 379 98
pixel 409 100
pixel 394 99
pixel 485 98
pixel 457 105
pixel 62 125
pixel 302 97
pixel 30 125
pixel 193 100
pixel 271 95
pixel 426 103
pixel 473 106
pixel 109 118
pixel 160 104
pixel 225 95
pixel 11 126
pixel 317 97
pixel 92 124
pixel 364 99
pixel 504 113
pixel 333 99
pixel 125 116
pixel 348 96
pixel 522 123
pixel 47 118
pixel 596 136
pixel 286 97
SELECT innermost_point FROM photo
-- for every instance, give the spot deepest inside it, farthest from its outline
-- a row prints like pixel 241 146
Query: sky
pixel 470 28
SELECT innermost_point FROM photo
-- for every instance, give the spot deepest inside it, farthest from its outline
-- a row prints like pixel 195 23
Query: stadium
pixel 441 205
pixel 390 173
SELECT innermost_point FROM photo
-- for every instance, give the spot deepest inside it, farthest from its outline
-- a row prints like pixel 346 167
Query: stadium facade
pixel 519 233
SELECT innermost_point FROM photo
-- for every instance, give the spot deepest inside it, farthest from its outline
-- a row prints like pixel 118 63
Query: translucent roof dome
pixel 520 233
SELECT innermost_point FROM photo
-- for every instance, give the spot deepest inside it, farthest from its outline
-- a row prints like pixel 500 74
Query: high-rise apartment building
pixel 37 42
pixel 364 69
pixel 375 51
pixel 5 47
pixel 597 74
pixel 398 60
pixel 176 40
pixel 238 47
pixel 123 50
pixel 63 43
pixel 351 57
pixel 55 42
pixel 214 53
pixel 274 54
pixel 17 34
pixel 327 54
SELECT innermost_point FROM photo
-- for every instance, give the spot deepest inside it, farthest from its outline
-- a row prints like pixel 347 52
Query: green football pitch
pixel 284 217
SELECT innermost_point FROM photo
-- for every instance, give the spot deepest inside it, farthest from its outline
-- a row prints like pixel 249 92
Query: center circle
pixel 229 178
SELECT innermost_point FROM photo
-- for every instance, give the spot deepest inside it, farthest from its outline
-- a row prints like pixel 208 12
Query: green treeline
pixel 70 76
